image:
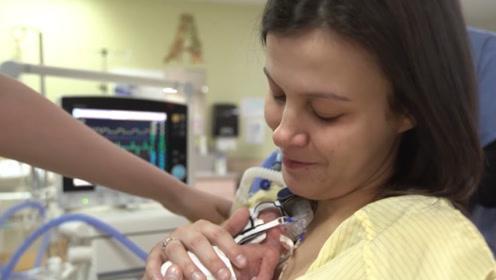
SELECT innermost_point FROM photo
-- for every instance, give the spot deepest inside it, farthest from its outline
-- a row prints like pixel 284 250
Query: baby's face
pixel 273 234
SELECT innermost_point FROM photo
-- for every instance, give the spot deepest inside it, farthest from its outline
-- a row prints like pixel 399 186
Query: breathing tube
pixel 101 226
pixel 299 209
pixel 42 212
pixel 251 174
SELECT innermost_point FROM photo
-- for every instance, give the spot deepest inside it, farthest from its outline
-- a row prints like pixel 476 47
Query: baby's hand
pixel 264 257
pixel 273 234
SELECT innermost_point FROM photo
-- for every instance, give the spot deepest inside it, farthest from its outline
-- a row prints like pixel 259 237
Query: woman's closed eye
pixel 279 97
pixel 327 118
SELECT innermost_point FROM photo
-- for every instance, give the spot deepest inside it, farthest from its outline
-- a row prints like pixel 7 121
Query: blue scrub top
pixel 483 45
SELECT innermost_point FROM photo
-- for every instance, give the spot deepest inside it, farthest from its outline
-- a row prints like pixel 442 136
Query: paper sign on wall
pixel 254 130
pixel 252 107
pixel 252 114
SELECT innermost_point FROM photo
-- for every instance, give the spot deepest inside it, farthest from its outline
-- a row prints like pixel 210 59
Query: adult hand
pixel 207 206
pixel 254 260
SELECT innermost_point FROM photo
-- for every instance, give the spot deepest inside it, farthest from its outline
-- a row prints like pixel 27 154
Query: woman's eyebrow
pixel 329 95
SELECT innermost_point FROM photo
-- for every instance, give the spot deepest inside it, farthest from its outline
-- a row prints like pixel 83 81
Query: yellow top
pixel 404 237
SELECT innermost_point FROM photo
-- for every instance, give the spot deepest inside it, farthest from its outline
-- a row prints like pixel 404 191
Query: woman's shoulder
pixel 423 236
pixel 417 218
pixel 415 212
pixel 411 210
pixel 406 237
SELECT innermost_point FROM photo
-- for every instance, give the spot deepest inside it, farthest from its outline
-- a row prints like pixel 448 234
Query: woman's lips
pixel 294 164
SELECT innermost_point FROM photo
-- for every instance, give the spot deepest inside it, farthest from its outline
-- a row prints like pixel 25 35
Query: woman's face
pixel 328 108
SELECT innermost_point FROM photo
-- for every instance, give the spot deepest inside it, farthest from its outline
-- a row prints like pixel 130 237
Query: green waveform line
pixel 138 148
pixel 121 131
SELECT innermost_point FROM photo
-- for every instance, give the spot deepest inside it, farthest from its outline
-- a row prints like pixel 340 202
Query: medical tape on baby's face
pixel 277 222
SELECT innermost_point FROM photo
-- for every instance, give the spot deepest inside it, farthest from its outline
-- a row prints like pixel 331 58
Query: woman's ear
pixel 405 123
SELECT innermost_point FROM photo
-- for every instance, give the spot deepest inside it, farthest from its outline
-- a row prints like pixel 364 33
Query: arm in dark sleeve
pixel 486 194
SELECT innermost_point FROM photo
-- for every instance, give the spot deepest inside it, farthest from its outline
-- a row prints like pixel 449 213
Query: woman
pixel 372 105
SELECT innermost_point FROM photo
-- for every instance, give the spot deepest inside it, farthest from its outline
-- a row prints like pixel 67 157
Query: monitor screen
pixel 156 131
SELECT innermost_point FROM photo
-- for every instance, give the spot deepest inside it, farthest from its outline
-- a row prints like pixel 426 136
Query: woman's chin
pixel 302 187
pixel 301 190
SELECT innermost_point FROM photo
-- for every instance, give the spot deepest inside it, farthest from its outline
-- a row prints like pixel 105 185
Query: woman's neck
pixel 333 212
pixel 327 217
pixel 330 213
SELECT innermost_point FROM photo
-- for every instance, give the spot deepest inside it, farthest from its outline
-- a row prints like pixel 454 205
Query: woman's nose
pixel 290 132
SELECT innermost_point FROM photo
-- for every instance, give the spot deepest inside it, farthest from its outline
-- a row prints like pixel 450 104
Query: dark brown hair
pixel 422 48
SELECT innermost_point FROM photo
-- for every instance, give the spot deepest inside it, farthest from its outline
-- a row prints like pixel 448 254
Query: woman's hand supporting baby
pixel 249 261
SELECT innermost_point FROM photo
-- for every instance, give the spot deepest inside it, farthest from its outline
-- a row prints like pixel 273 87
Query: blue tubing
pixel 103 227
pixel 41 210
pixel 18 207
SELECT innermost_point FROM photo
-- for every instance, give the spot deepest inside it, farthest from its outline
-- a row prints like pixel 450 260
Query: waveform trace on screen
pixel 141 133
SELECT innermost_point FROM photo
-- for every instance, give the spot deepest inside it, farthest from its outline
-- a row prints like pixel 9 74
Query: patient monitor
pixel 153 130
